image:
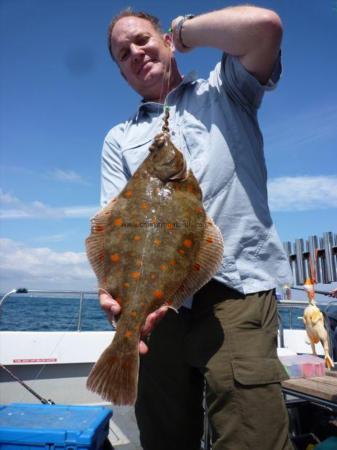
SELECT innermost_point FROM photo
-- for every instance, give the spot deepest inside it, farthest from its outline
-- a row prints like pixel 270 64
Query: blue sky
pixel 60 93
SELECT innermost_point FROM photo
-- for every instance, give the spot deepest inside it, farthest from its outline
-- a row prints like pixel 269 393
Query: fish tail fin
pixel 115 375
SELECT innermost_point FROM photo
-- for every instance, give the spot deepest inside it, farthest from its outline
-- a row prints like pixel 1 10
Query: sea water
pixel 52 313
pixel 62 313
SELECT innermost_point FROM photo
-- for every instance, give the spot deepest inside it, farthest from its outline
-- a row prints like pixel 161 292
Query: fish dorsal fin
pixel 95 241
pixel 205 266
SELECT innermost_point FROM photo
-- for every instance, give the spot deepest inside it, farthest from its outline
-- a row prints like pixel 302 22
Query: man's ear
pixel 167 37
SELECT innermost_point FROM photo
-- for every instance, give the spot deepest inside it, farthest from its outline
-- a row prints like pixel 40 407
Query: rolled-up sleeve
pixel 241 86
pixel 113 172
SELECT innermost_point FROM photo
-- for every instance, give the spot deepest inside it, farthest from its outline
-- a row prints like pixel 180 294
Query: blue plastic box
pixel 53 427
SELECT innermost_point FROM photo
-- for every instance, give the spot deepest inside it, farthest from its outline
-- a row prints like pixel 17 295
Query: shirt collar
pixel 145 106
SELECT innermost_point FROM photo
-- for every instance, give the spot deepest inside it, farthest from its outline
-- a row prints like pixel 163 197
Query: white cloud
pixel 69 176
pixel 302 193
pixel 7 199
pixel 43 268
pixel 13 208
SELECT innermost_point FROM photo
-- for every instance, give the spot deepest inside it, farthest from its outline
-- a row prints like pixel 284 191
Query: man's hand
pixel 110 306
pixel 177 34
pixel 113 309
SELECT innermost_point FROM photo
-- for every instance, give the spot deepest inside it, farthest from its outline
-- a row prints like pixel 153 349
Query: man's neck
pixel 166 87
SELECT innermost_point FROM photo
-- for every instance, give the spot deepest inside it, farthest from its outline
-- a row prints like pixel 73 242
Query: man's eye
pixel 142 40
pixel 123 55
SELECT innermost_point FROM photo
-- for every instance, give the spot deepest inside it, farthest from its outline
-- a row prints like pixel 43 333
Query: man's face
pixel 142 53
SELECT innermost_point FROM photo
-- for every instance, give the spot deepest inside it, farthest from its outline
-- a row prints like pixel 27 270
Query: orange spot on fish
pixel 163 267
pixel 173 262
pixel 137 237
pixel 153 276
pixel 209 240
pixel 181 251
pixel 169 226
pixel 115 257
pixel 154 220
pixel 126 285
pixel 144 205
pixel 196 267
pixel 128 194
pixel 158 294
pixel 188 243
pixel 135 275
pixel 198 209
pixel 156 241
pixel 118 222
pixel 128 333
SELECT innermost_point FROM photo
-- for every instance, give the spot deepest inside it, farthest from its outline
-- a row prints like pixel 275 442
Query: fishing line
pixel 166 77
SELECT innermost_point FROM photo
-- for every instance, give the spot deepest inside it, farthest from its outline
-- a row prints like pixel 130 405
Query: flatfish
pixel 152 245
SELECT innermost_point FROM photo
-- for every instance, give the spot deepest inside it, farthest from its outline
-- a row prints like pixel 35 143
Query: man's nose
pixel 136 52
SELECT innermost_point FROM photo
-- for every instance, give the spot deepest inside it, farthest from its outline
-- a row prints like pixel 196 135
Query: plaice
pixel 153 244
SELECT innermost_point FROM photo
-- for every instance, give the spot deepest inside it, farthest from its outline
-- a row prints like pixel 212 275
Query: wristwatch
pixel 180 26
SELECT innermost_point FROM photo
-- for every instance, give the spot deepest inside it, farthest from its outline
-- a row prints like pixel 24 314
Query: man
pixel 228 337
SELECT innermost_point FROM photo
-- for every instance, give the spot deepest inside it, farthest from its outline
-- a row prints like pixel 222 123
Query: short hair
pixel 128 12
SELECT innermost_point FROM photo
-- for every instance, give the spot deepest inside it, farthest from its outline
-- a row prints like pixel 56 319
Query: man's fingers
pixel 143 348
pixel 110 306
pixel 152 319
pixel 112 309
pixel 150 322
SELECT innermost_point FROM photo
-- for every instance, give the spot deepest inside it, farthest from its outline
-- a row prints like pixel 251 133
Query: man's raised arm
pixel 252 34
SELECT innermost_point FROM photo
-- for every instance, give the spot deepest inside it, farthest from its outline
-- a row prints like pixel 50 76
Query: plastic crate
pixel 53 427
pixel 303 366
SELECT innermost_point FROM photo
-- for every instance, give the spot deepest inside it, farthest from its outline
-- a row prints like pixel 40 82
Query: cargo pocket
pixel 258 371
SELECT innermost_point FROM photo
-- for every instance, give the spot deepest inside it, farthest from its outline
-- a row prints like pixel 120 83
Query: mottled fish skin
pixel 156 230
pixel 151 237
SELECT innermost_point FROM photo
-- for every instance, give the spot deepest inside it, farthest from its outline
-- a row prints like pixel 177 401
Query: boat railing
pixel 286 319
pixel 82 295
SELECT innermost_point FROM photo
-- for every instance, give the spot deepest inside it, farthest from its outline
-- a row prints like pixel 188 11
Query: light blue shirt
pixel 214 123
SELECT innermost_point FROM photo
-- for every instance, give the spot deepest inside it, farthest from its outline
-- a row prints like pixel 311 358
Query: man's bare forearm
pixel 250 33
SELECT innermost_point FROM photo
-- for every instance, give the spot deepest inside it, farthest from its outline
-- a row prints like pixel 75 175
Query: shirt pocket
pixel 135 152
